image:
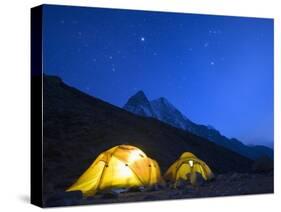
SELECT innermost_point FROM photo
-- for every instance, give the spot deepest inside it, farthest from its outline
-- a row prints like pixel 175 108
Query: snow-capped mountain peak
pixel 140 105
pixel 160 109
pixel 168 113
pixel 162 103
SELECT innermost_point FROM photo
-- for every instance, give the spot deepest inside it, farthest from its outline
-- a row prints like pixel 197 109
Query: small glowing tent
pixel 122 166
pixel 186 167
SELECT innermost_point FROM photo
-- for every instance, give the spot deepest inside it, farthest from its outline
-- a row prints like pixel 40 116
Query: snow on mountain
pixel 160 109
pixel 166 112
pixel 139 104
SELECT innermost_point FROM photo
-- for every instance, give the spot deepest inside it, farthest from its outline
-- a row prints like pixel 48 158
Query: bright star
pixel 142 39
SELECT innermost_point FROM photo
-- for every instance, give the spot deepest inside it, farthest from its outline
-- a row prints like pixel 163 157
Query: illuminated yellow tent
pixel 122 166
pixel 186 167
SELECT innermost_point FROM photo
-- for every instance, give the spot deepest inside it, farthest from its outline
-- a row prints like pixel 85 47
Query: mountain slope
pixel 164 111
pixel 78 127
pixel 167 113
pixel 140 105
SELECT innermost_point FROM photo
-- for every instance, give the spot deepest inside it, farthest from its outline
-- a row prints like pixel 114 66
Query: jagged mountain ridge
pixel 140 105
pixel 78 127
pixel 163 110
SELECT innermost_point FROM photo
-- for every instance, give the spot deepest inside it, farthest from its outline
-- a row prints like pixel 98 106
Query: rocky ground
pixel 223 185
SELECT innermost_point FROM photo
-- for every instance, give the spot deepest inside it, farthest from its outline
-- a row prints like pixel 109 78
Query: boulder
pixel 136 189
pixel 109 195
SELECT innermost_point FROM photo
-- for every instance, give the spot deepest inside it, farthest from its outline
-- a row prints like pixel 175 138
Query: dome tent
pixel 122 166
pixel 186 168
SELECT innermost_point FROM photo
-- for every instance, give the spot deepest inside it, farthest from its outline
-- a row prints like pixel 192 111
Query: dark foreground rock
pixel 223 185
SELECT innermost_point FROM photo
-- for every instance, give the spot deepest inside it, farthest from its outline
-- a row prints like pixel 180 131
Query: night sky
pixel 217 70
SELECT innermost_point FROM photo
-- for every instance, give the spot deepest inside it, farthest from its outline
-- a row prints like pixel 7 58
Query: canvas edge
pixel 36 189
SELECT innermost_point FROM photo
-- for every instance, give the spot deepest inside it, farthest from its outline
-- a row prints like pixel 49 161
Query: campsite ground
pixel 223 185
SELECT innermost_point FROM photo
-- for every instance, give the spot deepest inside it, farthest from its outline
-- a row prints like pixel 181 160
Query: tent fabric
pixel 186 166
pixel 122 166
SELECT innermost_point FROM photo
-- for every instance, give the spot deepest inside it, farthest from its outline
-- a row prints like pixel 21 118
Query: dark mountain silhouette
pixel 77 127
pixel 164 111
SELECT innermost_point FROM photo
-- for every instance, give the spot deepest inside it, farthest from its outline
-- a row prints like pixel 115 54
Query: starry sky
pixel 217 70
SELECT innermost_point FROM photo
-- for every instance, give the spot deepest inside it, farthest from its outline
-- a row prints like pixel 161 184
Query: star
pixel 214 32
pixel 113 69
pixel 212 63
pixel 206 44
pixel 110 57
pixel 142 39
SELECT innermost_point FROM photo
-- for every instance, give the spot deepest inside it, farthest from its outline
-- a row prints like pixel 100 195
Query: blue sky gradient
pixel 217 70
